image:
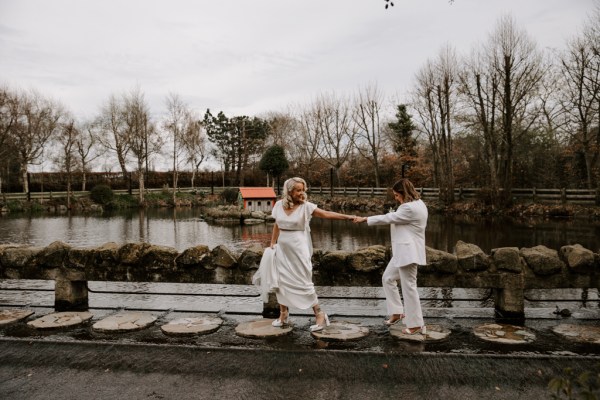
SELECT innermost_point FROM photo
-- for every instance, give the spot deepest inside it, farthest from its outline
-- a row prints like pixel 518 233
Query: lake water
pixel 184 228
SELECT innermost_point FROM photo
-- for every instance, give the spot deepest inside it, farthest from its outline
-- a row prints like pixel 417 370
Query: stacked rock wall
pixel 509 271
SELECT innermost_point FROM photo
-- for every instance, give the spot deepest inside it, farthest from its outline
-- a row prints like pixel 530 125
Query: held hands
pixel 358 220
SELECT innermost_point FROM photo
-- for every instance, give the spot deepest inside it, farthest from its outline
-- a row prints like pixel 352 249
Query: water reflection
pixel 184 228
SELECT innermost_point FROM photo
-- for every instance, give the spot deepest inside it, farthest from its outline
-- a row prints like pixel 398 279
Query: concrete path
pixel 35 370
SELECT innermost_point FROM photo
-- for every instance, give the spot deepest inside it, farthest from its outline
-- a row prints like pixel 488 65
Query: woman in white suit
pixel 407 225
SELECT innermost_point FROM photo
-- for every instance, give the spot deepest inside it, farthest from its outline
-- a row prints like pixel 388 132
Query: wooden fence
pixel 562 196
pixel 573 196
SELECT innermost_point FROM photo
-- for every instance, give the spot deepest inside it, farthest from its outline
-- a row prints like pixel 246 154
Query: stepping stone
pixel 579 333
pixel 10 316
pixel 124 322
pixel 435 333
pixel 504 333
pixel 260 329
pixel 61 320
pixel 191 326
pixel 341 331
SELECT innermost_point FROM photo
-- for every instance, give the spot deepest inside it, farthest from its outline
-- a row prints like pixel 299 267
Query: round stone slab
pixel 579 333
pixel 341 331
pixel 260 329
pixel 434 333
pixel 192 326
pixel 61 320
pixel 10 316
pixel 124 322
pixel 504 333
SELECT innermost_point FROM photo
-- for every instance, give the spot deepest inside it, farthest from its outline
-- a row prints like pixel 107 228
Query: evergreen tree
pixel 274 161
pixel 401 135
pixel 401 132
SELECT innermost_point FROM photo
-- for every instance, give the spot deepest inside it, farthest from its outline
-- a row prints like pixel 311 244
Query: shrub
pixel 102 194
pixel 14 206
pixel 572 386
pixel 122 202
pixel 230 195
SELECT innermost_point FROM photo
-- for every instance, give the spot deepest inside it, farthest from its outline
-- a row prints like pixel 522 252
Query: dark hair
pixel 406 188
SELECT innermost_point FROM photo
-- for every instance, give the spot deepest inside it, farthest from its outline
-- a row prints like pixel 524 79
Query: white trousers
pixel 407 276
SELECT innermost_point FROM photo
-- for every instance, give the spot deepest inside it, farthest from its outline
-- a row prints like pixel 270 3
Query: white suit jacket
pixel 407 226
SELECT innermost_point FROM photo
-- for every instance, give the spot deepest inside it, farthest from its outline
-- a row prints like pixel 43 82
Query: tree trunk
pixel 141 184
pixel 83 180
pixel 68 190
pixel 24 177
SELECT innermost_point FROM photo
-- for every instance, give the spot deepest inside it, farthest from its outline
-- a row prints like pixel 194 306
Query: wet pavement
pixel 149 363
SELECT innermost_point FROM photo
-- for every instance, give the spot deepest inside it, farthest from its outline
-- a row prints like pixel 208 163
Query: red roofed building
pixel 257 198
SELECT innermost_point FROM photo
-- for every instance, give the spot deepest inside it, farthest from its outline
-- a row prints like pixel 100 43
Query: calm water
pixel 184 228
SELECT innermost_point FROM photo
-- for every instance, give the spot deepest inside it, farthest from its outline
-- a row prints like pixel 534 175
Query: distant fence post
pixel 563 196
pixel 598 196
pixel 534 195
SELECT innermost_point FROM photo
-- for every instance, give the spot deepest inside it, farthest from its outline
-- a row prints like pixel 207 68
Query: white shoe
pixel 317 327
pixel 419 331
pixel 279 323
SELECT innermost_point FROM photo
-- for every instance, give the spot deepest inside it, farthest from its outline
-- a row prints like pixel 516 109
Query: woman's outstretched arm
pixel 331 215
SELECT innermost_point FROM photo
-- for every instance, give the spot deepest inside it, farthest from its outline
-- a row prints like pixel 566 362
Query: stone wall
pixel 508 270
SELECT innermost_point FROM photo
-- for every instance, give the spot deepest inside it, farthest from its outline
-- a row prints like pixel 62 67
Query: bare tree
pixel 140 133
pixel 195 143
pixel 114 132
pixel 435 100
pixel 502 100
pixel 479 87
pixel 38 121
pixel 519 68
pixel 282 127
pixel 67 158
pixel 9 115
pixel 176 124
pixel 87 150
pixel 369 137
pixel 304 144
pixel 331 130
pixel 579 98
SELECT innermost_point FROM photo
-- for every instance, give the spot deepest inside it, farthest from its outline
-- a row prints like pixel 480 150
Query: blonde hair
pixel 287 188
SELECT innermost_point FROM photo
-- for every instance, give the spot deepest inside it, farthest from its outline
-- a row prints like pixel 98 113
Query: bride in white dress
pixel 291 235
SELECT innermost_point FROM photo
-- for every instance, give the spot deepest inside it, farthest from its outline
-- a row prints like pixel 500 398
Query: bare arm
pixel 275 235
pixel 330 215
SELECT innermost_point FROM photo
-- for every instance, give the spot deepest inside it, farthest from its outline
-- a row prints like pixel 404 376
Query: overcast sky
pixel 248 56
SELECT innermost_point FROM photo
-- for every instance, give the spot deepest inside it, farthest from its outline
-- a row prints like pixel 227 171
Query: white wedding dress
pixel 293 256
